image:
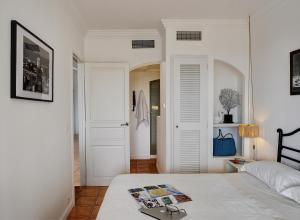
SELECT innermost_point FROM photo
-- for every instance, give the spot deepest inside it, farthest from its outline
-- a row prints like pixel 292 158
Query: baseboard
pixel 142 157
pixel 67 211
pixel 153 156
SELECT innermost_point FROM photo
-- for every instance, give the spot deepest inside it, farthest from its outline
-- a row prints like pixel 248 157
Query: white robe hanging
pixel 142 111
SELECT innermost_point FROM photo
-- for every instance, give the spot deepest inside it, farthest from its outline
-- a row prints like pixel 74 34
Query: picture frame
pixel 32 65
pixel 295 72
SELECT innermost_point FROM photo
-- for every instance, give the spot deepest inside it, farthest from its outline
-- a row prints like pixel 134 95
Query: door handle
pixel 126 124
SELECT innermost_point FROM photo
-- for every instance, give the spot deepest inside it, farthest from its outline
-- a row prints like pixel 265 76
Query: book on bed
pixel 158 196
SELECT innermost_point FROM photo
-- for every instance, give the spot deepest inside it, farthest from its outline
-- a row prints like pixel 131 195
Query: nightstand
pixel 231 167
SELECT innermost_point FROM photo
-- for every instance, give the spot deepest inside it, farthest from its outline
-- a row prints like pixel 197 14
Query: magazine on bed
pixel 158 196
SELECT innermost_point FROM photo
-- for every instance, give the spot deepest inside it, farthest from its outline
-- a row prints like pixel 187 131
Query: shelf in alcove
pixel 228 157
pixel 233 125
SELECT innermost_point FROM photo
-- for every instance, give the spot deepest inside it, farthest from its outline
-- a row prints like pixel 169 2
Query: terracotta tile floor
pixel 88 199
pixel 143 166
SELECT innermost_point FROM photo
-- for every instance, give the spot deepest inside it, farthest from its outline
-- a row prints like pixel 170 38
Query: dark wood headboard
pixel 281 147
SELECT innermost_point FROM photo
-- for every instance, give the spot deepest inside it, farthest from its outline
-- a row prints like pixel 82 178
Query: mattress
pixel 215 196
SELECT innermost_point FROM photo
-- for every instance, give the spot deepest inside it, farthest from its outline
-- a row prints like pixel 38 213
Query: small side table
pixel 231 167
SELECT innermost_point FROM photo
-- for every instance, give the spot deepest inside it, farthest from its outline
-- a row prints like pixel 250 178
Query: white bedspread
pixel 215 196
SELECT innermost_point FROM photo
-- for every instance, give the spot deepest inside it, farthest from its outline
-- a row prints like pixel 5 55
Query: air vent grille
pixel 189 35
pixel 138 44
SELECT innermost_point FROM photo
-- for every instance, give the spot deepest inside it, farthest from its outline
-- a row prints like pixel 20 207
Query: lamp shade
pixel 249 130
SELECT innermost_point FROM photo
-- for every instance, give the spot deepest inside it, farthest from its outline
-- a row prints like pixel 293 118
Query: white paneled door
pixel 190 113
pixel 107 115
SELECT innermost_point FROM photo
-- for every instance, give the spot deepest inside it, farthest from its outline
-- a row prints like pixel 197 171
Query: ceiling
pixel 147 14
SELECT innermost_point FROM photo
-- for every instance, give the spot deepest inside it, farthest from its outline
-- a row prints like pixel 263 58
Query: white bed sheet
pixel 215 196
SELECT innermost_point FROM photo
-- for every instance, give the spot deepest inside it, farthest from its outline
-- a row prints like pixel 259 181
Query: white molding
pixel 81 124
pixel 124 34
pixel 211 91
pixel 140 157
pixel 132 68
pixel 153 156
pixel 67 211
pixel 200 23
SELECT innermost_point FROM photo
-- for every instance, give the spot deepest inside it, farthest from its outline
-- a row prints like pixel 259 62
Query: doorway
pixel 154 113
pixel 76 169
pixel 144 99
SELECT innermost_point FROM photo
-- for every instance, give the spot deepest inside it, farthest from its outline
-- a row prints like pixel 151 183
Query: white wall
pixel 140 138
pixel 115 46
pixel 224 40
pixel 162 157
pixel 35 137
pixel 275 32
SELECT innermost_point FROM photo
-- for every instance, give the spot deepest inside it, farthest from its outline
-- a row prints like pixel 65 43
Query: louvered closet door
pixel 190 113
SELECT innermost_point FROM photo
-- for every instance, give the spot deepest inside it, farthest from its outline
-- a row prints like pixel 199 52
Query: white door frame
pixel 81 123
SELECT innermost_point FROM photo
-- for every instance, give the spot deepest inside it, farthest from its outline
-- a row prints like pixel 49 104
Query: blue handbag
pixel 224 145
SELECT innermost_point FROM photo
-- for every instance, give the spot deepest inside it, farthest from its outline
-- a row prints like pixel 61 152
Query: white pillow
pixel 292 193
pixel 276 175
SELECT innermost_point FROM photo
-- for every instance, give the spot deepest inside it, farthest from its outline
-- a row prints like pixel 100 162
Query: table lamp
pixel 249 131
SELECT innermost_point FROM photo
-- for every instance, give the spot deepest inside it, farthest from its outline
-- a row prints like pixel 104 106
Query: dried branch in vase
pixel 229 98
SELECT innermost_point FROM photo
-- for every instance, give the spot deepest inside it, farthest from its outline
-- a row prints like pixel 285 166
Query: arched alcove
pixel 227 76
pixel 145 65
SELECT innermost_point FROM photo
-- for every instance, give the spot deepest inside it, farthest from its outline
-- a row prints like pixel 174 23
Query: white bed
pixel 215 196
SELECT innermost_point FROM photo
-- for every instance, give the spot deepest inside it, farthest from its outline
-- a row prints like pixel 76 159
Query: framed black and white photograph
pixel 31 65
pixel 295 72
